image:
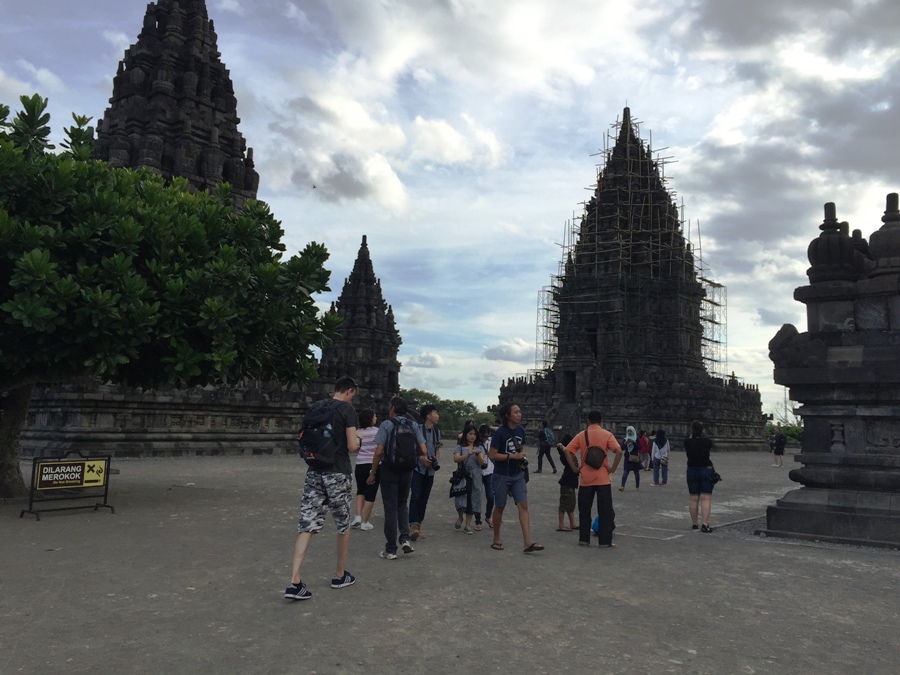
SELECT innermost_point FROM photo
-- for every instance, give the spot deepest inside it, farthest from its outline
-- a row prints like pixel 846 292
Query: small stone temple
pixel 845 373
pixel 370 342
pixel 173 110
pixel 623 324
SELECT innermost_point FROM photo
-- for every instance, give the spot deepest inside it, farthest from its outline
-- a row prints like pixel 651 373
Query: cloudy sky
pixel 461 135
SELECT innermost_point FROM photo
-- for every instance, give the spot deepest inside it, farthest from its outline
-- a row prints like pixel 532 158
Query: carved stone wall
pixel 96 418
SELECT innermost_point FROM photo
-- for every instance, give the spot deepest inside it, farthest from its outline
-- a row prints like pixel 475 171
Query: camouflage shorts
pixel 323 491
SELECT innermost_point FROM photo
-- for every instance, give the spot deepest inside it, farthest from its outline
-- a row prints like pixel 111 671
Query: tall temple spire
pixel 173 107
pixel 369 343
pixel 622 325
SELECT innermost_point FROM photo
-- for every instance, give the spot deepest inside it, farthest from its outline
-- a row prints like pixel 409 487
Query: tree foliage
pixel 454 413
pixel 118 274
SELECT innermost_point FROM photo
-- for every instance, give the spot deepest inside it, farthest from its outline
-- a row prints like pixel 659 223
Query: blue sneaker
pixel 298 592
pixel 346 580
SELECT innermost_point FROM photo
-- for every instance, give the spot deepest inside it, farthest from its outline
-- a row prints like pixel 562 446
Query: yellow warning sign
pixel 69 474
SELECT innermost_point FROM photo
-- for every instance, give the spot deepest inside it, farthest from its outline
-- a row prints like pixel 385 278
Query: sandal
pixel 533 548
pixel 478 528
pixel 490 523
pixel 563 529
pixel 497 546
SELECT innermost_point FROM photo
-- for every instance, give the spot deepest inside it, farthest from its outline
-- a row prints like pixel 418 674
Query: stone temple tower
pixel 624 320
pixel 369 343
pixel 173 107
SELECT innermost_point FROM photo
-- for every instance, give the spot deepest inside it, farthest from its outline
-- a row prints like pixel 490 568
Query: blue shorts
pixel 505 486
pixel 699 480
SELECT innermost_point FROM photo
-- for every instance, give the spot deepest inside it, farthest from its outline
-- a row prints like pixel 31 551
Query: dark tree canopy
pixel 114 273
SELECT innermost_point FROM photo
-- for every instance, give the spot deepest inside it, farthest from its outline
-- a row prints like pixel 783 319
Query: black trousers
pixel 545 450
pixel 395 499
pixel 604 509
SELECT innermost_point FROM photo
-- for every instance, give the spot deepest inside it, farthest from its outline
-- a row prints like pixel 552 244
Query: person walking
pixel 699 476
pixel 395 480
pixel 545 443
pixel 365 493
pixel 423 475
pixel 470 454
pixel 632 450
pixel 646 460
pixel 779 441
pixel 326 489
pixel 660 458
pixel 507 451
pixel 487 474
pixel 595 482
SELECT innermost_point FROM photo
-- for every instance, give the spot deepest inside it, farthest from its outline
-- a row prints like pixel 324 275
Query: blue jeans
pixel 420 491
pixel 395 499
pixel 634 468
pixel 665 472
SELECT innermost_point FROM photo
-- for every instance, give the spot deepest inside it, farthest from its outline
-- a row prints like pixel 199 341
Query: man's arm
pixel 616 449
pixel 569 456
pixel 352 440
pixel 379 450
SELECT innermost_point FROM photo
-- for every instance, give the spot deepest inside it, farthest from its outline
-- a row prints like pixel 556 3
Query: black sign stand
pixel 71 490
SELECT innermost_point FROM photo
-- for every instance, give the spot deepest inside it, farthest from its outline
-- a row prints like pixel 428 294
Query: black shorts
pixel 362 488
pixel 778 451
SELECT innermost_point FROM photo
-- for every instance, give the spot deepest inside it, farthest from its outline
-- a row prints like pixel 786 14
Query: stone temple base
pixel 840 516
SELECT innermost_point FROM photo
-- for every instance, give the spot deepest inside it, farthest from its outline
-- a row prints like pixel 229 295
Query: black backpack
pixel 402 449
pixel 316 437
pixel 594 455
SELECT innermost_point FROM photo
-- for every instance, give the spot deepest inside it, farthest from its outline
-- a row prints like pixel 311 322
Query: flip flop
pixel 490 523
pixel 563 529
pixel 533 548
pixel 497 546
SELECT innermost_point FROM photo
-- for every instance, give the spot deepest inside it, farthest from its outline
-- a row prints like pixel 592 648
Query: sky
pixel 462 135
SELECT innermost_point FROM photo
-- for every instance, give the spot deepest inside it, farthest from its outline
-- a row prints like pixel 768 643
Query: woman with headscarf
pixel 660 450
pixel 699 476
pixel 632 460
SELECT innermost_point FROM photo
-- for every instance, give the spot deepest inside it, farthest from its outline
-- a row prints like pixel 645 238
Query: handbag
pixel 715 478
pixel 459 481
pixel 594 455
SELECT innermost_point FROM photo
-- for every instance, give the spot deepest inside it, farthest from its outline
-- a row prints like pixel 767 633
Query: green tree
pixel 115 274
pixel 453 413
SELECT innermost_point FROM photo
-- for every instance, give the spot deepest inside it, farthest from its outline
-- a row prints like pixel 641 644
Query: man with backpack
pixel 423 475
pixel 545 443
pixel 592 446
pixel 327 438
pixel 399 444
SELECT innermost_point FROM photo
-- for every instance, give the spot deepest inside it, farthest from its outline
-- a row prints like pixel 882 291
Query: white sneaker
pixel 356 521
pixel 387 556
pixel 367 526
pixel 407 546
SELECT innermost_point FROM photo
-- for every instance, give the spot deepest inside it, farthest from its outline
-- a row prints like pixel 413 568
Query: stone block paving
pixel 187 577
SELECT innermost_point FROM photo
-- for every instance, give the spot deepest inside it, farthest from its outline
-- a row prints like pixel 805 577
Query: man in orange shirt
pixel 595 481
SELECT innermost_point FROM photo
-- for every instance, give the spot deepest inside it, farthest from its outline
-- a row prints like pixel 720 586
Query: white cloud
pixel 46 80
pixel 425 360
pixel 296 14
pixel 233 6
pixel 516 349
pixel 118 39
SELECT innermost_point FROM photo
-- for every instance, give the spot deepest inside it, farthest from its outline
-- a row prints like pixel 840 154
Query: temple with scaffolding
pixel 632 324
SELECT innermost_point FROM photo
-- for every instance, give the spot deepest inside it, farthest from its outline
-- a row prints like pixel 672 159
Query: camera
pixel 434 464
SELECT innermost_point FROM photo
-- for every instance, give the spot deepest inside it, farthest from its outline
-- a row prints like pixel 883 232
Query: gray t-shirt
pixel 386 427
